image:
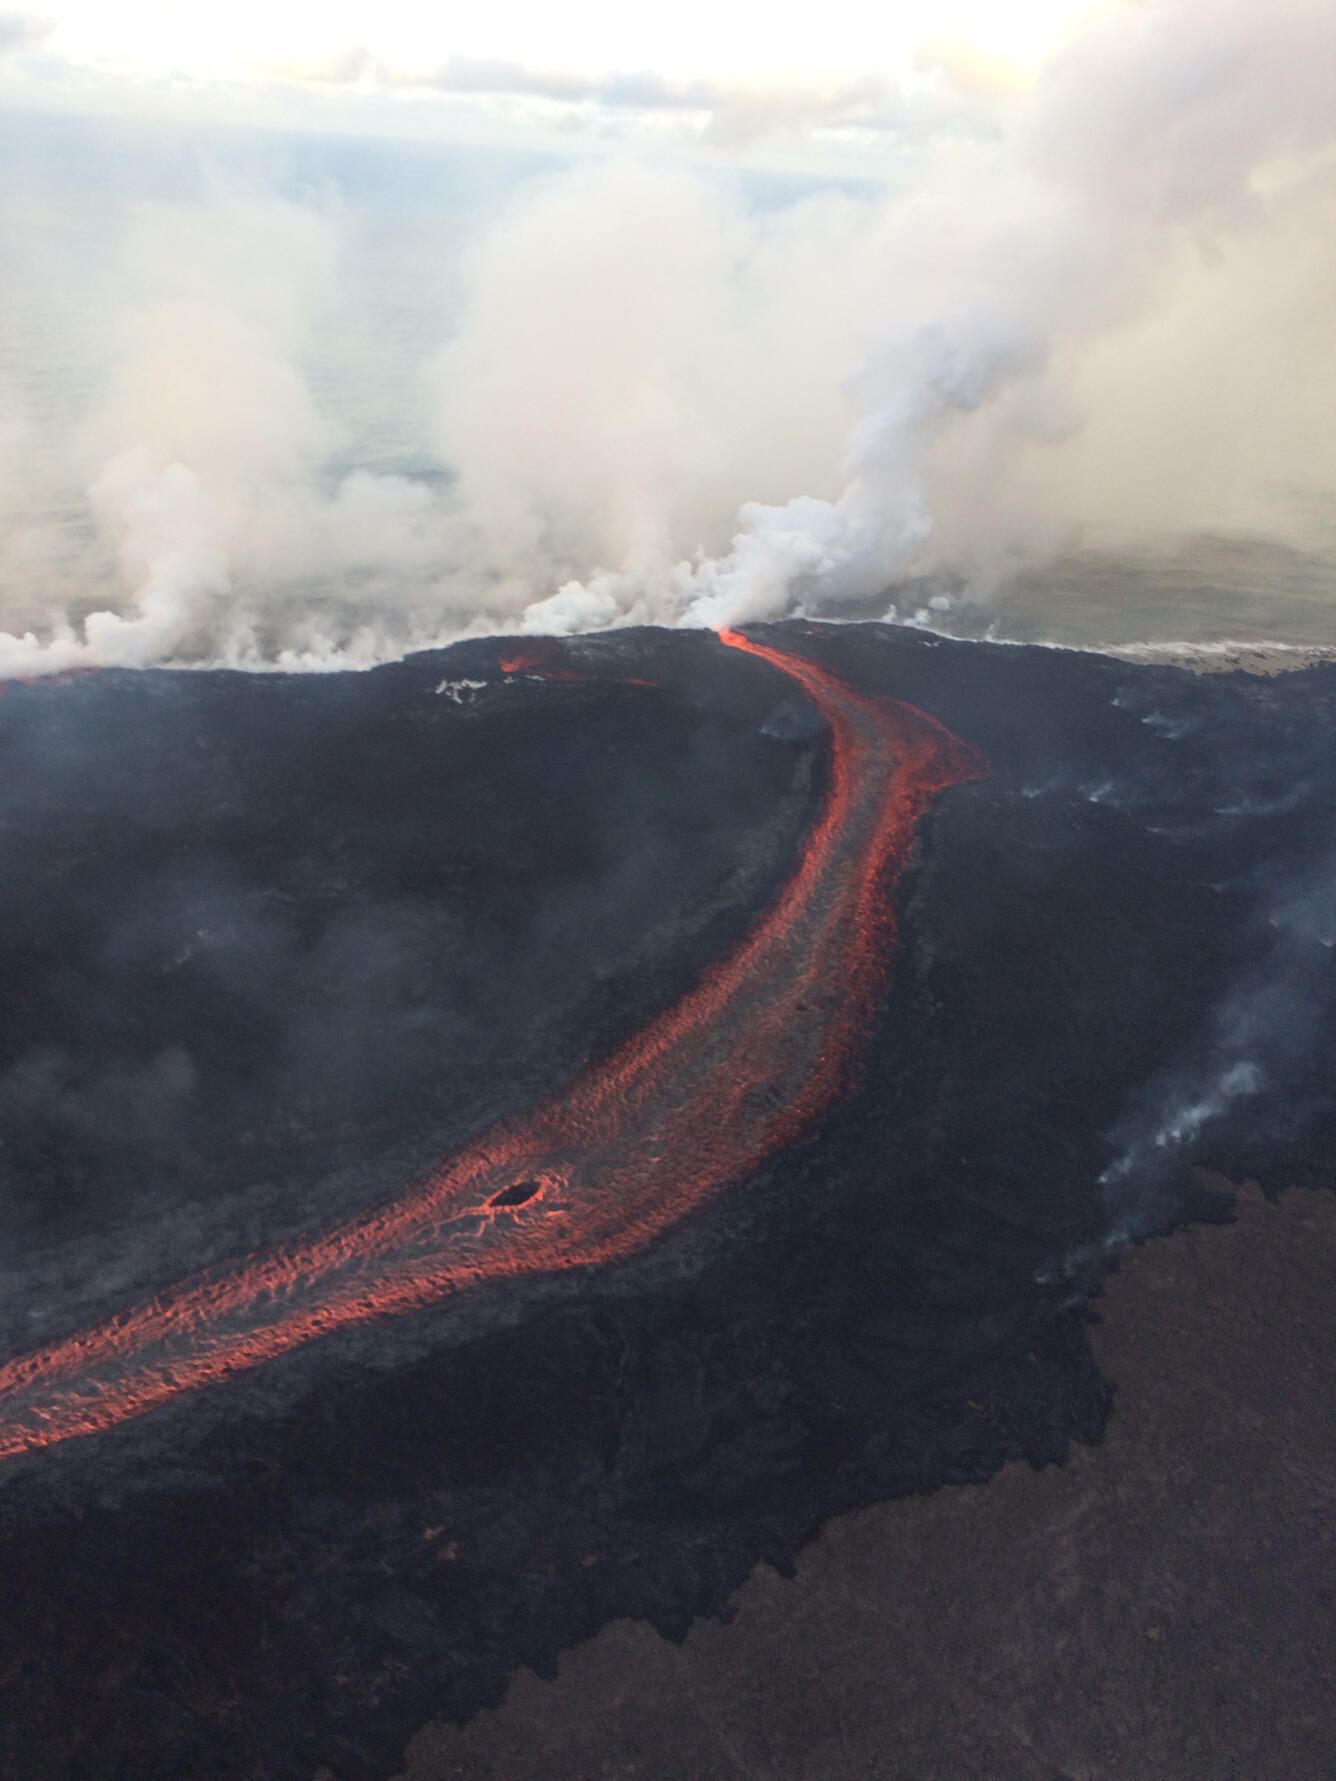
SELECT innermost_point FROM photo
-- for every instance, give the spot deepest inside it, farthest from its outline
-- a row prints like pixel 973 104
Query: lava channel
pixel 697 1100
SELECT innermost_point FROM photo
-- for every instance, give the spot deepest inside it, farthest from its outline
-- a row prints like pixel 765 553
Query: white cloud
pixel 20 31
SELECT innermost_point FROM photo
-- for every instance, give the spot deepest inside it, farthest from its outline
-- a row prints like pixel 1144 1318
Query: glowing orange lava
pixel 696 1101
pixel 528 659
pixel 542 658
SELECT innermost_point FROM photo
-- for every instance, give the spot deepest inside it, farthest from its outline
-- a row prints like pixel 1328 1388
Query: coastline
pixel 1225 657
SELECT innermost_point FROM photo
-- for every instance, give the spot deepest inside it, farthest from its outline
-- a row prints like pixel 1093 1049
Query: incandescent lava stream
pixel 724 1078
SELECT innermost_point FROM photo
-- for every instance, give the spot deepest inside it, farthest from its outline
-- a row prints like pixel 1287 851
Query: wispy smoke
pixel 1106 317
pixel 1259 1060
pixel 1187 1108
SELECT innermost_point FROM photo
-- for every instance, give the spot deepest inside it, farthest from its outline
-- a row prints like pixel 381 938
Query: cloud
pixel 725 112
pixel 20 31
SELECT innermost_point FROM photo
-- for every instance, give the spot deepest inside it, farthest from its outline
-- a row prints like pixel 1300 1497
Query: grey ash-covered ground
pixel 275 943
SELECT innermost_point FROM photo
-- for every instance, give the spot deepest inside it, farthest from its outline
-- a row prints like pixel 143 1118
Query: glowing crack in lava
pixel 695 1101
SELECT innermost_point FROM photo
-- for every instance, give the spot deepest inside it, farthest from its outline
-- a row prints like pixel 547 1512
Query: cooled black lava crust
pixel 272 944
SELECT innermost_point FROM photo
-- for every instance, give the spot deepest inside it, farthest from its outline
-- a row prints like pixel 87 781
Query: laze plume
pixel 694 1102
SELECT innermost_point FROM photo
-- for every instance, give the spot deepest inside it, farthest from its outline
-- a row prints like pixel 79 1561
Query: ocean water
pixel 72 193
pixel 1201 596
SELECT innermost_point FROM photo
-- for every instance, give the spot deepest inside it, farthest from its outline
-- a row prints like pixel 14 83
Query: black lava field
pixel 516 1137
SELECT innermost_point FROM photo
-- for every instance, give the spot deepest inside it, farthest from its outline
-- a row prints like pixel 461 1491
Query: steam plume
pixel 1102 315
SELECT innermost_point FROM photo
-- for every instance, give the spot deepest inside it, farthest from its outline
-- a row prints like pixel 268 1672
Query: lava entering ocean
pixel 695 1101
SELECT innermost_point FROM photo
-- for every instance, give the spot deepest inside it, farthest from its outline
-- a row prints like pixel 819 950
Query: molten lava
pixel 542 659
pixel 697 1100
pixel 528 659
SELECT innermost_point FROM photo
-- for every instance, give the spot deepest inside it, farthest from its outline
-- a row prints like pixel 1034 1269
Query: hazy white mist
pixel 290 426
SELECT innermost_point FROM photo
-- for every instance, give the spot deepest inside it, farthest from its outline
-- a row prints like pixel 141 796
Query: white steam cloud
pixel 1107 316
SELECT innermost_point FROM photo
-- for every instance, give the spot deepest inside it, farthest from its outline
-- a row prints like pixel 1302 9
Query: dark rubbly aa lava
pixel 695 1101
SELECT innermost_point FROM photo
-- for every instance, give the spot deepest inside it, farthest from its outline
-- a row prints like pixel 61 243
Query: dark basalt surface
pixel 273 944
